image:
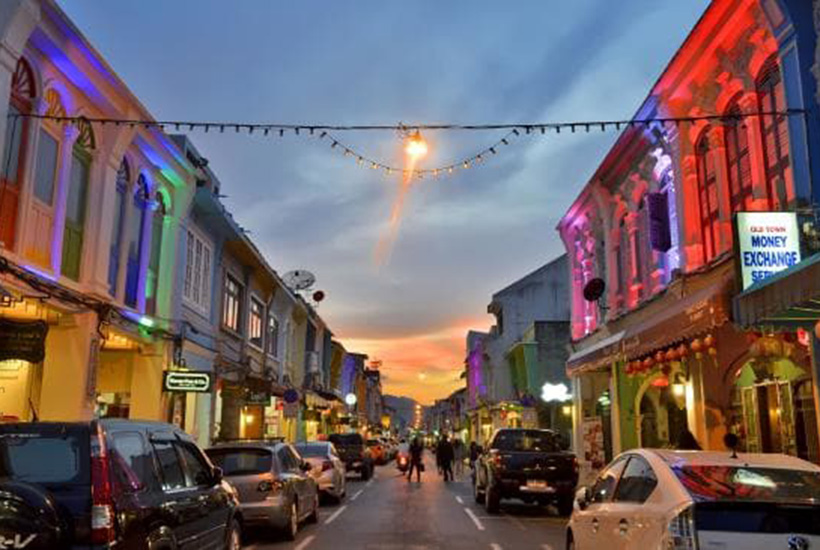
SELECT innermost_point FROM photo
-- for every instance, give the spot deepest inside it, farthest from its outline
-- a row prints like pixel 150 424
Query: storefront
pixel 22 351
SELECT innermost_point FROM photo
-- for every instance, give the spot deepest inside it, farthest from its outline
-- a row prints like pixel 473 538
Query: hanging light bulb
pixel 416 146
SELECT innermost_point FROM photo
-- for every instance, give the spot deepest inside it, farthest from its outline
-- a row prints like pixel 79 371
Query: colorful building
pixel 659 352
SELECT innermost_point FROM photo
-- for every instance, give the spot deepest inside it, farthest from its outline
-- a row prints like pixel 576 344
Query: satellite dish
pixel 299 279
pixel 318 296
pixel 594 289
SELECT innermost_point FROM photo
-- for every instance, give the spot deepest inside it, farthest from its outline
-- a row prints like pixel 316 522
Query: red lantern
pixel 709 341
pixel 696 345
pixel 683 351
pixel 659 357
pixel 671 355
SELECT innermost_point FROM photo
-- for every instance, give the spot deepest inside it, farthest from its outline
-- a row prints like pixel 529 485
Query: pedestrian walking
pixel 458 453
pixel 475 450
pixel 445 456
pixel 416 459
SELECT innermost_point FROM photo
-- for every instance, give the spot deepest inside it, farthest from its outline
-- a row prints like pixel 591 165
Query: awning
pixel 790 297
pixel 598 355
pixel 678 320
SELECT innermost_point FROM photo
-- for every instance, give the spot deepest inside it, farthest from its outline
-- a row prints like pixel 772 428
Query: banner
pixel 766 242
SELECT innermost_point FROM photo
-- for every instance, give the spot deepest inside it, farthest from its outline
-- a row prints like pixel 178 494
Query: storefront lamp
pixel 350 399
pixel 555 392
pixel 678 389
pixel 566 410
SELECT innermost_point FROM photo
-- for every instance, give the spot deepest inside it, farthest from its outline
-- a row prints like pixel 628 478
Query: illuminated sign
pixel 193 382
pixel 767 242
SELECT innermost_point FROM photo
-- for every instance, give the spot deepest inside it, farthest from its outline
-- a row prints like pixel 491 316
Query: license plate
pixel 537 485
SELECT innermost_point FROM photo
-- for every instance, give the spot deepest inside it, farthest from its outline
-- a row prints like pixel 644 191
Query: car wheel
pixel 234 536
pixel 292 528
pixel 478 494
pixel 314 514
pixel 492 500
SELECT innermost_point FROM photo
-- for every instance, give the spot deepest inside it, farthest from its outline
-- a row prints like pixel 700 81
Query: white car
pixel 327 468
pixel 699 500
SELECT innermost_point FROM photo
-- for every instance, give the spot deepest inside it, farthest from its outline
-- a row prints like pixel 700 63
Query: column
pixel 101 204
pixel 146 383
pixel 634 282
pixel 70 135
pixel 70 368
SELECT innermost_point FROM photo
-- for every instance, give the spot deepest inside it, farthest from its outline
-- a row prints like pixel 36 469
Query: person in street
pixel 445 458
pixel 416 456
pixel 688 442
pixel 458 453
pixel 474 452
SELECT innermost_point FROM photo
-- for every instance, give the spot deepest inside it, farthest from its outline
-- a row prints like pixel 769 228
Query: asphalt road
pixel 388 513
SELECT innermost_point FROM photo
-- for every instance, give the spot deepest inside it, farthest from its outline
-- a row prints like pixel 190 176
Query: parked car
pixel 529 465
pixel 354 453
pixel 699 499
pixel 111 483
pixel 377 451
pixel 272 480
pixel 328 469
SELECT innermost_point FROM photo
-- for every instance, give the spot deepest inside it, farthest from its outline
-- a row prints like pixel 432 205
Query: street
pixel 389 513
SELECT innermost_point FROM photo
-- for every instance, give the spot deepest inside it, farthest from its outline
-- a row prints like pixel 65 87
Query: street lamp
pixel 555 392
pixel 416 146
pixel 351 399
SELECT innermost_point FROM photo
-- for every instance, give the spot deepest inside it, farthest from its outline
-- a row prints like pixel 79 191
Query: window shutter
pixel 659 234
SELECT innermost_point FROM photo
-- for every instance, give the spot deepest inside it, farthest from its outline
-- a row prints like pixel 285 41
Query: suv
pixel 111 483
pixel 354 453
pixel 272 479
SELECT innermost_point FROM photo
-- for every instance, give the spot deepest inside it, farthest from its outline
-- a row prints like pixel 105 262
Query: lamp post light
pixel 416 147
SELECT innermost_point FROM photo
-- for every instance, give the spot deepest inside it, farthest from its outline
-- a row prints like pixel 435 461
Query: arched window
pixel 774 130
pixel 737 159
pixel 152 279
pixel 123 179
pixel 14 154
pixel 76 202
pixel 135 234
pixel 707 196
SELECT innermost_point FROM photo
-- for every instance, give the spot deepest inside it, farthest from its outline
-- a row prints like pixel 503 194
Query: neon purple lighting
pixel 40 273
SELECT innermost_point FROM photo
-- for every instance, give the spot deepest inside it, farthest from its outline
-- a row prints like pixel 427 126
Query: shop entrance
pixel 663 417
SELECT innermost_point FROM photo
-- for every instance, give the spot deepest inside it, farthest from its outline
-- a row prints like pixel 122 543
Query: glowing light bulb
pixel 416 147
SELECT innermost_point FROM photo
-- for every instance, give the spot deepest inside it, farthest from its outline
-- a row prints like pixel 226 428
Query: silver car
pixel 328 469
pixel 274 487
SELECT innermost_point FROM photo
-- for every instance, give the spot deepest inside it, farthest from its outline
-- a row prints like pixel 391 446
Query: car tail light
pixel 681 533
pixel 327 465
pixel 102 509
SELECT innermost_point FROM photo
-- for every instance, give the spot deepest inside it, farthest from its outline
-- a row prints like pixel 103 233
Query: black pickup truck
pixel 353 452
pixel 529 465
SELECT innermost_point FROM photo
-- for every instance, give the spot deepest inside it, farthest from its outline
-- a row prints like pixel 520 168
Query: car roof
pixel 724 458
pixel 312 444
pixel 264 445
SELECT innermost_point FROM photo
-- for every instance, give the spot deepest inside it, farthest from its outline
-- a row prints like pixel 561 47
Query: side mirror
pixel 217 474
pixel 583 496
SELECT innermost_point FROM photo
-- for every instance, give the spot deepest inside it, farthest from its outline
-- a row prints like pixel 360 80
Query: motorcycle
pixel 402 462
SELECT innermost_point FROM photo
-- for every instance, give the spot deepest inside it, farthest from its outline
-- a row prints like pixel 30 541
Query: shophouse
pixel 652 247
pixel 89 226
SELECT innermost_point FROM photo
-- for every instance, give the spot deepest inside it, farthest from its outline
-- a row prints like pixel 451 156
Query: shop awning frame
pixel 598 355
pixel 788 298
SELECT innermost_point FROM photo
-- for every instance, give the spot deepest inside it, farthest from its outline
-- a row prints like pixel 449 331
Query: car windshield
pixel 238 462
pixel 49 456
pixel 312 451
pixel 525 441
pixel 346 439
pixel 748 483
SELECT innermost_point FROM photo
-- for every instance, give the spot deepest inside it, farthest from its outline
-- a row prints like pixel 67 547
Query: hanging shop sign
pixel 766 242
pixel 189 382
pixel 25 340
pixel 257 397
pixel 290 410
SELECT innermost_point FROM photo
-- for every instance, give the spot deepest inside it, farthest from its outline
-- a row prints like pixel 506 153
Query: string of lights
pixel 329 132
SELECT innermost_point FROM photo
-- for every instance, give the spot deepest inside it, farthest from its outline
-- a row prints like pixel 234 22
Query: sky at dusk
pixel 463 61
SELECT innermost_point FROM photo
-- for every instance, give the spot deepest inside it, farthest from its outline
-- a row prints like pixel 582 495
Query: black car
pixel 111 484
pixel 354 453
pixel 529 465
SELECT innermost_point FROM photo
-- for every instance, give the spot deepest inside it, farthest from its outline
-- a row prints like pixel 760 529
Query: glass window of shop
pixel 596 419
pixel 20 383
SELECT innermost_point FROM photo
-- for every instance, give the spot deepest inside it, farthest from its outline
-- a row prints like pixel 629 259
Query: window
pixel 14 154
pixel 288 459
pixel 607 481
pixel 707 196
pixel 737 160
pixel 240 462
pixel 75 214
pixel 170 466
pixel 45 456
pixel 256 322
pixel 196 290
pixel 774 130
pixel 133 463
pixel 123 177
pixel 232 303
pixel 637 482
pixel 197 472
pixel 136 232
pixel 45 171
pixel 525 440
pixel 272 336
pixel 152 277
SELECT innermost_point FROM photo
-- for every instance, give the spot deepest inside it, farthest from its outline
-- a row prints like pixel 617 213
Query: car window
pixel 132 461
pixel 240 462
pixel 525 440
pixel 169 465
pixel 197 471
pixel 605 485
pixel 45 456
pixel 312 450
pixel 748 483
pixel 637 482
pixel 286 460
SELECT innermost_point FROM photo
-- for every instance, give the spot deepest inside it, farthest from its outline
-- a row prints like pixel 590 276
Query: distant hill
pixel 405 407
